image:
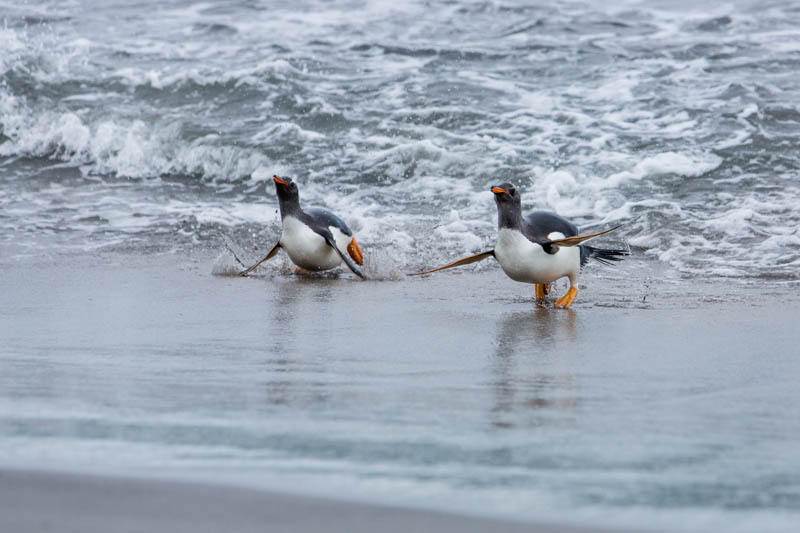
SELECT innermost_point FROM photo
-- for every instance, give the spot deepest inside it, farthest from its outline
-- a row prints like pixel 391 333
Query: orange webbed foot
pixel 540 292
pixel 355 252
pixel 567 299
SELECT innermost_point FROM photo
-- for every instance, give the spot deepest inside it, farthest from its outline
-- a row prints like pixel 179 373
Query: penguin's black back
pixel 541 224
pixel 318 217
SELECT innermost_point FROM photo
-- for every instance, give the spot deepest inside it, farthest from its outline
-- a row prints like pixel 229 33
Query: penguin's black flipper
pixel 346 258
pixel 268 256
pixel 465 261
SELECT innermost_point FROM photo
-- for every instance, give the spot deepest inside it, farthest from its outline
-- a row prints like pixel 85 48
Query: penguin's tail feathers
pixel 602 255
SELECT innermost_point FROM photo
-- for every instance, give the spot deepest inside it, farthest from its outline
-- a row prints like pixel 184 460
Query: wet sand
pixel 32 502
pixel 402 349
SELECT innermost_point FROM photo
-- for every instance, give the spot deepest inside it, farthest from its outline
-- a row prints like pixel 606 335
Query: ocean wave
pixel 651 117
pixel 132 149
pixel 666 163
pixel 258 75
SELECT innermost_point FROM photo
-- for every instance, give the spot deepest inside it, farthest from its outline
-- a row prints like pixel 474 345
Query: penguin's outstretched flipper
pixel 465 261
pixel 268 256
pixel 577 239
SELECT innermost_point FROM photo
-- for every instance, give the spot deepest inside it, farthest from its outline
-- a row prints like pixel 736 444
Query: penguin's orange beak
pixel 499 190
pixel 278 179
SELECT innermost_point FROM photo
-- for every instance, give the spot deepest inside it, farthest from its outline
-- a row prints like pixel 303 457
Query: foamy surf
pixel 170 133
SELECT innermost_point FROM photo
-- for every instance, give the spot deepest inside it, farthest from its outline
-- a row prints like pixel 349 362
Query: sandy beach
pixel 453 393
pixel 33 502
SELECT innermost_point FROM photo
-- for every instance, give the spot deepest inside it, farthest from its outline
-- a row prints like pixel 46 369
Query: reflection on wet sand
pixel 542 326
pixel 528 348
pixel 297 300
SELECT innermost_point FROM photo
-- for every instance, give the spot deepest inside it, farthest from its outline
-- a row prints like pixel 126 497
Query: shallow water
pixel 453 392
pixel 132 135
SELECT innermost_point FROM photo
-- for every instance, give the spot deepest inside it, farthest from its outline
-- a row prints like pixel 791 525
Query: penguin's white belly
pixel 525 261
pixel 307 248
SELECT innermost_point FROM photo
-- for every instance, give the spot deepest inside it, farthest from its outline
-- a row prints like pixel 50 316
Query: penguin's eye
pixel 512 191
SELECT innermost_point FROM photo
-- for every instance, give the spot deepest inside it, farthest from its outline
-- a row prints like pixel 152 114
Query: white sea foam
pixel 126 149
pixel 644 123
pixel 665 163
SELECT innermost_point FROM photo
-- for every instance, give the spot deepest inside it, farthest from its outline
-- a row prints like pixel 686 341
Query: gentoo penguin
pixel 314 238
pixel 539 248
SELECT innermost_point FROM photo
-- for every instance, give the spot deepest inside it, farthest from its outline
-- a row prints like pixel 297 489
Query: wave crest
pixel 131 149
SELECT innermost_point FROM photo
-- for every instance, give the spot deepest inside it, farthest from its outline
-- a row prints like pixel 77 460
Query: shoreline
pixel 38 501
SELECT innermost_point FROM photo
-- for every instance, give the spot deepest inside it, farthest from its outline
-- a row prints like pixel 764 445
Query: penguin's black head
pixel 505 193
pixel 286 189
pixel 509 205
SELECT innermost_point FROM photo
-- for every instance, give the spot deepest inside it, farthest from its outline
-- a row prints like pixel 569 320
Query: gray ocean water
pixel 154 127
pixel 156 123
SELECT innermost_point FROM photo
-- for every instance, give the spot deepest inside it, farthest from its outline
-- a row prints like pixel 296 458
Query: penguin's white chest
pixel 307 248
pixel 525 261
